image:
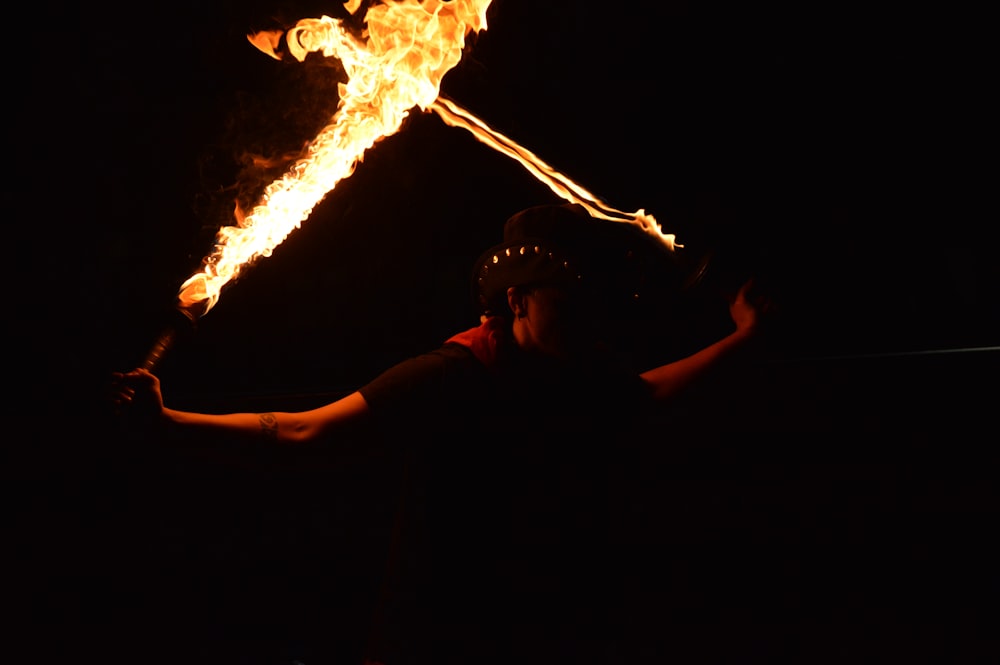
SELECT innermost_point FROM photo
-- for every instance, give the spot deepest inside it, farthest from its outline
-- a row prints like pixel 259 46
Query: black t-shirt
pixel 456 392
pixel 510 413
pixel 513 489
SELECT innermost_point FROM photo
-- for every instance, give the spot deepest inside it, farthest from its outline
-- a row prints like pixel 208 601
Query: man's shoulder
pixel 437 374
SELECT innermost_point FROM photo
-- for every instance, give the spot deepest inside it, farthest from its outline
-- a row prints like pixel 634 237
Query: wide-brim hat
pixel 618 264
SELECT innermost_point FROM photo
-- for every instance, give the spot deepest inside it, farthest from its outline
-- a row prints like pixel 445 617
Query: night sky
pixel 834 151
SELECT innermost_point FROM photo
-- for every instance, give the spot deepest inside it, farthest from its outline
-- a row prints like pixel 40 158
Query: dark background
pixel 836 147
pixel 837 151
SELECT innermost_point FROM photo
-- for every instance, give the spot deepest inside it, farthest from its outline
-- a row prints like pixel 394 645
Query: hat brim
pixel 616 263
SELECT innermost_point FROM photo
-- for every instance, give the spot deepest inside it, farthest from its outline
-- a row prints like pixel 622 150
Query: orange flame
pixel 557 182
pixel 410 46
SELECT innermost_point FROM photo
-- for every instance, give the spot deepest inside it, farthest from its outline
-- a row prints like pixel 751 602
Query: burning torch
pixel 408 48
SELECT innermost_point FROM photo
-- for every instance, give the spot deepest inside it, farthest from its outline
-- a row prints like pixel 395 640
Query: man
pixel 512 425
pixel 557 300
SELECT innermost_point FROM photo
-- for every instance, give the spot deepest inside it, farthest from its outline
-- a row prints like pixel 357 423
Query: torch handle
pixel 159 349
pixel 179 327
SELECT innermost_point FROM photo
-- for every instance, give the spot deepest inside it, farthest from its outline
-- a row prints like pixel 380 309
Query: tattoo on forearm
pixel 268 425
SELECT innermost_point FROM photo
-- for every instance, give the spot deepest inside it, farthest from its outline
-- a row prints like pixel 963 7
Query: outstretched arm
pixel 667 381
pixel 137 394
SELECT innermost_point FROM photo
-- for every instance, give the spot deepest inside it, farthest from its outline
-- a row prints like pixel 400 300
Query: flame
pixel 455 116
pixel 407 48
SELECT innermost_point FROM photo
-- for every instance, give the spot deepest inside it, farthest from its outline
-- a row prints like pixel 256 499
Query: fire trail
pixel 396 67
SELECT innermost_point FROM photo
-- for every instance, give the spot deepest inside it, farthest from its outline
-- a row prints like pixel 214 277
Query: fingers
pixel 121 394
pixel 752 294
pixel 125 385
pixel 135 377
pixel 744 293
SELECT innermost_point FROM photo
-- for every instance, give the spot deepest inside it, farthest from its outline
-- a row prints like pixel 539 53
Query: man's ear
pixel 516 301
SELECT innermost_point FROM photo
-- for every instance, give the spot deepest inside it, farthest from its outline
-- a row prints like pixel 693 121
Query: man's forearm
pixel 251 427
pixel 666 381
pixel 329 422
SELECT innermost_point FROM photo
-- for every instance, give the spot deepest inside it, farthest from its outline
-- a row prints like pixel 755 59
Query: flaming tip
pixel 192 310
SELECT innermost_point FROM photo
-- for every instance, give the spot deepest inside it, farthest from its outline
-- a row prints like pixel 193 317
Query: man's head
pixel 583 271
pixel 562 245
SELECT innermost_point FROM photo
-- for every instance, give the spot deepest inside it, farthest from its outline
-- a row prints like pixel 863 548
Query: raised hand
pixel 751 307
